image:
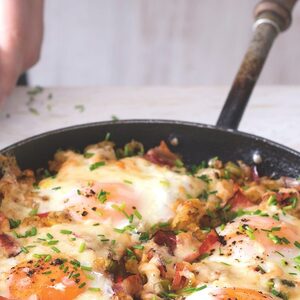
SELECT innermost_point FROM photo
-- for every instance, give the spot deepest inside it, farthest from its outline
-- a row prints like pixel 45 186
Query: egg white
pixel 154 188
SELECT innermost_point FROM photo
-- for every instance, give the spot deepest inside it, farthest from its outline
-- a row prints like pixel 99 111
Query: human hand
pixel 21 32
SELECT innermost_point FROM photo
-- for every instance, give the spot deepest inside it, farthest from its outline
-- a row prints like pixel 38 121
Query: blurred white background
pixel 156 42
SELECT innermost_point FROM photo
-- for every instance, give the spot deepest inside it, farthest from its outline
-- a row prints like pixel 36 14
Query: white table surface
pixel 273 111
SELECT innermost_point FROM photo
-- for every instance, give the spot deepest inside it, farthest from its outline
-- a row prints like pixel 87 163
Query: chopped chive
pixel 75 263
pixel 140 247
pixel 279 253
pixel 107 136
pixel 272 200
pixel 50 236
pixel 82 247
pixel 78 192
pixel 47 258
pixel 179 163
pixel 88 154
pixel 137 214
pixel 89 276
pixel 76 275
pixel 14 223
pixel 204 178
pixel 297 244
pixel 82 285
pixel 297 259
pixel 33 212
pixel 190 290
pixel 128 181
pixel 65 231
pixel 56 188
pixel 96 224
pixel 96 165
pixel 55 249
pixel 102 196
pixel 104 240
pixel 85 268
pixel 52 242
pixel 93 289
pixel 47 272
pixel 24 249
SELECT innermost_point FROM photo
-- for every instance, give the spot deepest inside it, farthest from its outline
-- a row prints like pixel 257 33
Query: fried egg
pixel 116 192
pixel 257 251
pixel 217 293
pixel 63 261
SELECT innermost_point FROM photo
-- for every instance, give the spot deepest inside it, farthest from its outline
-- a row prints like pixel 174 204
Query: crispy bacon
pixel 166 238
pixel 239 200
pixel 161 155
pixel 9 245
pixel 131 285
pixel 43 215
pixel 209 243
pixel 179 281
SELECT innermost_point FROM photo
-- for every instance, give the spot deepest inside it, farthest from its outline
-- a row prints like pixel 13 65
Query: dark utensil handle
pixel 272 17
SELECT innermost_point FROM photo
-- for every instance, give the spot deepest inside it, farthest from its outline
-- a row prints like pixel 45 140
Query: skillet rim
pixel 150 121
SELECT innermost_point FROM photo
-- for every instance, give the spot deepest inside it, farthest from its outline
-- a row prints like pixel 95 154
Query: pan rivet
pixel 256 158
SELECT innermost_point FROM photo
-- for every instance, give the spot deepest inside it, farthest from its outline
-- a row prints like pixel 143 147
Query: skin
pixel 21 33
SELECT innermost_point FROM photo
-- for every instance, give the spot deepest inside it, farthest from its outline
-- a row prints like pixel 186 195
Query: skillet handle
pixel 272 17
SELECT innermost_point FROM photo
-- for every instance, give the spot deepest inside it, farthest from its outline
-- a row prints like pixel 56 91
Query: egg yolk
pixel 99 202
pixel 241 294
pixel 54 279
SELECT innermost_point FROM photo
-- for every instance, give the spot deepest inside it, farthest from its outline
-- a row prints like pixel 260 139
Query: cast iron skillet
pixel 197 142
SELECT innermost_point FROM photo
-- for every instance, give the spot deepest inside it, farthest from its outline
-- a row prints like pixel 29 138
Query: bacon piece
pixel 161 155
pixel 209 243
pixel 179 280
pixel 131 285
pixel 9 245
pixel 166 238
pixel 43 215
pixel 239 200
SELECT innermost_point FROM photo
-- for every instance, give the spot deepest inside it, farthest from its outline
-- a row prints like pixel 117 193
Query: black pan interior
pixel 197 142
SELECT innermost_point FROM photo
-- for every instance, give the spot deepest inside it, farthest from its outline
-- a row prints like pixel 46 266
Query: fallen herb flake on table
pixel 33 110
pixel 50 96
pixel 79 107
pixel 115 118
pixel 35 90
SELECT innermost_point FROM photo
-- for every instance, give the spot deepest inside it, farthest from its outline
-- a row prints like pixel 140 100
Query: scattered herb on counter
pixel 35 90
pixel 79 107
pixel 115 118
pixel 33 111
